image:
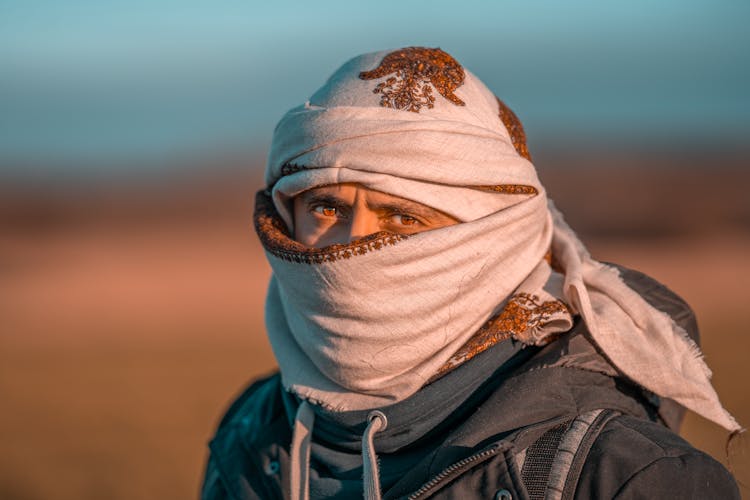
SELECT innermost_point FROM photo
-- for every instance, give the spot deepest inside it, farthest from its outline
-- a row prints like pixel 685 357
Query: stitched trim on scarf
pixel 415 69
pixel 522 313
pixel 509 189
pixel 275 238
pixel 515 129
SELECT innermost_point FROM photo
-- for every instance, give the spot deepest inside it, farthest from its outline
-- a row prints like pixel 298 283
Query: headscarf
pixel 366 324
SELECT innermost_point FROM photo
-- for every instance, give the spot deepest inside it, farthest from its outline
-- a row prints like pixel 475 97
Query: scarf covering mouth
pixel 367 324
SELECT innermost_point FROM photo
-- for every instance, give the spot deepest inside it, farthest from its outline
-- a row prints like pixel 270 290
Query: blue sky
pixel 91 81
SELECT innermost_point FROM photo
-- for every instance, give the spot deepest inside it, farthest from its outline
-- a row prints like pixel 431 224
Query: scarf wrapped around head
pixel 367 324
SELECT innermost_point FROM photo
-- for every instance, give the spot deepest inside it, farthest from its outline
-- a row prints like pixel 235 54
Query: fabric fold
pixel 367 324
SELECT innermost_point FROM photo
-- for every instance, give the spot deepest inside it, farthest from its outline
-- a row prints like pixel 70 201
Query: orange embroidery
pixel 275 238
pixel 515 129
pixel 416 68
pixel 510 189
pixel 522 313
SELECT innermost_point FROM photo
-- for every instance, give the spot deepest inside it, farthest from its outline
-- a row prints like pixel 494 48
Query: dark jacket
pixel 473 453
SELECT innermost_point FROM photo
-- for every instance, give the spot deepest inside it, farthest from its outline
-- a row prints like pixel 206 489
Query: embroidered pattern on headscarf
pixel 510 189
pixel 523 313
pixel 291 168
pixel 416 68
pixel 275 238
pixel 515 129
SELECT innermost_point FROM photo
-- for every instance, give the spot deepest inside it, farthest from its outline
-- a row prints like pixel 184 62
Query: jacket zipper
pixel 454 470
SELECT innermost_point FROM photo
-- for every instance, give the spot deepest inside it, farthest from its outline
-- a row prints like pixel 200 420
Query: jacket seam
pixel 632 477
pixel 661 446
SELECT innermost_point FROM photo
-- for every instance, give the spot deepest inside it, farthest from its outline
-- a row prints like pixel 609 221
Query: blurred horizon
pixel 88 86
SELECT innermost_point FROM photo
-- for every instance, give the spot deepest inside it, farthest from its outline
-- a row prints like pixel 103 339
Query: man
pixel 440 331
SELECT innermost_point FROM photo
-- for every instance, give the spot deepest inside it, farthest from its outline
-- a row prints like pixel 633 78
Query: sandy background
pixel 131 309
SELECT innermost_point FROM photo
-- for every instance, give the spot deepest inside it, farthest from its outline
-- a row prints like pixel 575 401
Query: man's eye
pixel 405 220
pixel 325 210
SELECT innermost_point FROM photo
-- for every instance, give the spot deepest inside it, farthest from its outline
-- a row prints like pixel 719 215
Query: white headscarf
pixel 367 324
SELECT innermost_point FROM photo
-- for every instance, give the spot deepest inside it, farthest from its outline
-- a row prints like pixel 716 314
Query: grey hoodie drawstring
pixel 299 480
pixel 299 474
pixel 376 422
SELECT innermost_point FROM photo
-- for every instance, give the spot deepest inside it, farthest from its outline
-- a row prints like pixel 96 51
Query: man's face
pixel 341 213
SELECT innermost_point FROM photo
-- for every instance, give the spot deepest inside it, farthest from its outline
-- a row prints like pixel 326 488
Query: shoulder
pixel 247 419
pixel 633 458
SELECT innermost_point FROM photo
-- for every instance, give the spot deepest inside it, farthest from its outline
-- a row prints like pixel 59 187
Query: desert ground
pixel 131 307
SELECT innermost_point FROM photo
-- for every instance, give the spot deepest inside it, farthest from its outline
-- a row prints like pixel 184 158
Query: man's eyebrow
pixel 405 206
pixel 311 197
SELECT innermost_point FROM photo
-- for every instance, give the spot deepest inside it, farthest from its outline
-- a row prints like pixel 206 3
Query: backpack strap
pixel 538 460
pixel 553 463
